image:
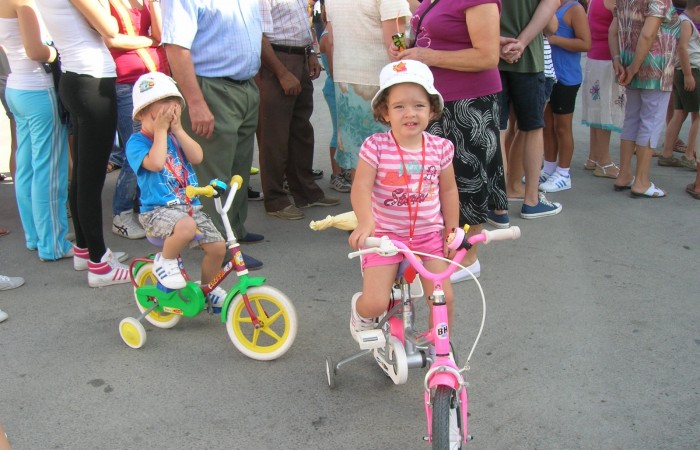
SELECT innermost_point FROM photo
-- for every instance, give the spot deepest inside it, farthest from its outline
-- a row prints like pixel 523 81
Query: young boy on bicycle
pixel 404 187
pixel 162 155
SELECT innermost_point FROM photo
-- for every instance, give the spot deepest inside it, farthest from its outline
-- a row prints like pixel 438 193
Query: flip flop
pixel 690 189
pixel 4 231
pixel 619 188
pixel 652 192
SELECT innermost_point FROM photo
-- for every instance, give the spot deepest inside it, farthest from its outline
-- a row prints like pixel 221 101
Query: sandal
pixel 690 189
pixel 623 187
pixel 680 146
pixel 671 161
pixel 651 192
pixel 590 164
pixel 611 170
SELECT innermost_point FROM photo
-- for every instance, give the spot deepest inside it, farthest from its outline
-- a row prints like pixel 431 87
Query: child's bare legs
pixel 183 233
pixel 376 288
pixel 565 139
pixel 214 253
pixel 673 129
pixel 550 137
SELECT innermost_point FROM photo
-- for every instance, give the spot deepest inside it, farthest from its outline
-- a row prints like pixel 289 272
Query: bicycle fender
pixel 244 283
pixel 188 301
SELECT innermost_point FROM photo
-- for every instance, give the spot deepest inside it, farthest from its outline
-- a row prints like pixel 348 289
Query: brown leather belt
pixel 290 49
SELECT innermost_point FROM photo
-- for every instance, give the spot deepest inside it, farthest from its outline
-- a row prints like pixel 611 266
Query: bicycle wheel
pixel 161 319
pixel 132 332
pixel 447 419
pixel 278 323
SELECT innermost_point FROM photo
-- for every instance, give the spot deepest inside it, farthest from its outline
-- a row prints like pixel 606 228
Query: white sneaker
pixel 3 316
pixel 81 256
pixel 127 226
pixel 168 272
pixel 463 275
pixel 555 183
pixel 107 272
pixel 357 323
pixel 216 298
pixel 543 177
pixel 7 283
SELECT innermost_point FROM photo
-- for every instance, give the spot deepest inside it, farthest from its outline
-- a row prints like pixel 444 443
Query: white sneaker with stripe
pixel 556 182
pixel 107 272
pixel 168 272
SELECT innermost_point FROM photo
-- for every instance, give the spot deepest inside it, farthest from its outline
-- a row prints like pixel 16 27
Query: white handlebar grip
pixel 373 242
pixel 507 234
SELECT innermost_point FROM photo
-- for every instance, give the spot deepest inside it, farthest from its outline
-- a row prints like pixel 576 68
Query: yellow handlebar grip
pixel 236 179
pixel 193 191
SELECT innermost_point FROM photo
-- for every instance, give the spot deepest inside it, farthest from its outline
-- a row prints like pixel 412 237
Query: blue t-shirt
pixel 164 188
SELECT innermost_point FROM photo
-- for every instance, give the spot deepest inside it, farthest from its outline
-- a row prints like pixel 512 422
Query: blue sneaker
pixel 543 208
pixel 251 238
pixel 497 220
pixel 251 263
pixel 216 299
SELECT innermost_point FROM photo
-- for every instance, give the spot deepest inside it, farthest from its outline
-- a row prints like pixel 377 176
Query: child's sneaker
pixel 107 272
pixel 357 323
pixel 339 183
pixel 543 208
pixel 556 182
pixel 81 256
pixel 216 299
pixel 466 274
pixel 168 272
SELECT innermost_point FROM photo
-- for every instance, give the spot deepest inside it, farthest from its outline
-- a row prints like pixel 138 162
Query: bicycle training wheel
pixel 447 419
pixel 132 332
pixel 161 319
pixel 278 323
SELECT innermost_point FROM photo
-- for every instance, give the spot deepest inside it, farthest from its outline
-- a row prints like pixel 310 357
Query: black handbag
pixel 54 68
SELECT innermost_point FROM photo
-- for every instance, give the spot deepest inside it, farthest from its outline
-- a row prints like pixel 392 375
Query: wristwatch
pixel 310 50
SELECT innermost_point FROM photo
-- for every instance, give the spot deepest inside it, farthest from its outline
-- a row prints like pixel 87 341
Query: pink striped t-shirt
pixel 389 196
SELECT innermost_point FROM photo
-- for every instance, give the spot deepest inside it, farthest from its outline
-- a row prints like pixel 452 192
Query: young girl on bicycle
pixel 162 155
pixel 404 187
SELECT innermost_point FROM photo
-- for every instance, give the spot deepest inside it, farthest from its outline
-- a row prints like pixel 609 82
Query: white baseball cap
pixel 150 88
pixel 407 71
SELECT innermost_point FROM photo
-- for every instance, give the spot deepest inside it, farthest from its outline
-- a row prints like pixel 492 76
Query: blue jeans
pixel 125 189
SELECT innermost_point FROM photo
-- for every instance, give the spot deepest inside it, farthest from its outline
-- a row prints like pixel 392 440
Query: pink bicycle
pixel 396 346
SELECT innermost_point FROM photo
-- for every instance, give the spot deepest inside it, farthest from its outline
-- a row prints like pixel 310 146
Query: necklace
pixel 412 215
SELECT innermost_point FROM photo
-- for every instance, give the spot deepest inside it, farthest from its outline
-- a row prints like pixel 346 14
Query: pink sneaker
pixel 107 272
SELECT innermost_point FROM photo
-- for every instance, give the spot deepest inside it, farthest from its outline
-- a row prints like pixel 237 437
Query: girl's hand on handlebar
pixel 358 236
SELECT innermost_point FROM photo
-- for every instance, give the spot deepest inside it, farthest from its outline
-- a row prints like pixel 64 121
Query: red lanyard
pixel 180 177
pixel 412 215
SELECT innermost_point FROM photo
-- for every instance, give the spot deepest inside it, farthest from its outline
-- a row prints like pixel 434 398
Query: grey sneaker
pixel 323 201
pixel 7 283
pixel 339 183
pixel 127 226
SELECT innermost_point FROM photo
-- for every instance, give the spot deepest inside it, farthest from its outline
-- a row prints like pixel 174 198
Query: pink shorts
pixel 431 243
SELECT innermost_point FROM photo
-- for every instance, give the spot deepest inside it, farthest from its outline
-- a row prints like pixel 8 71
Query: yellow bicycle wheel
pixel 161 319
pixel 278 323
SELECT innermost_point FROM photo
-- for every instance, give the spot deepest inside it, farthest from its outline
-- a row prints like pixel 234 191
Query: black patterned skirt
pixel 472 126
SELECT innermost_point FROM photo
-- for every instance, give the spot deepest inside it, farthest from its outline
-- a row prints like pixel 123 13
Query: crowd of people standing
pixel 246 69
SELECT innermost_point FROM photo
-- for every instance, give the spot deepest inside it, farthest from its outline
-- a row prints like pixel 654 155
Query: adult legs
pixel 229 151
pixel 92 105
pixel 125 188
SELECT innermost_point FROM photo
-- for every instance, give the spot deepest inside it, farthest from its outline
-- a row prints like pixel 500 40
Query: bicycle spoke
pixel 260 311
pixel 270 332
pixel 273 318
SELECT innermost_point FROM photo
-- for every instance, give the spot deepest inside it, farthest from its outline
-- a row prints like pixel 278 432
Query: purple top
pixel 445 28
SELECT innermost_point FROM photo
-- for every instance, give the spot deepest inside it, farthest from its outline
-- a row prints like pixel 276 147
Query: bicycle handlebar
pixel 457 240
pixel 194 191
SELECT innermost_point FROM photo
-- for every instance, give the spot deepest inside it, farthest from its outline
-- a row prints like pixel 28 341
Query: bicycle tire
pixel 444 400
pixel 275 336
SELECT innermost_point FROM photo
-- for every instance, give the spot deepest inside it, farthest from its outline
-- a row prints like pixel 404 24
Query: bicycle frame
pixel 443 370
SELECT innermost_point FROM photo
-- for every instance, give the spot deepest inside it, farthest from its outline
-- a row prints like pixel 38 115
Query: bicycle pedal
pixel 371 339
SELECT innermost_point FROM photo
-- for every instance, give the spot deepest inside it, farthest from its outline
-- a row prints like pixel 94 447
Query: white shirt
pixel 81 47
pixel 26 75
